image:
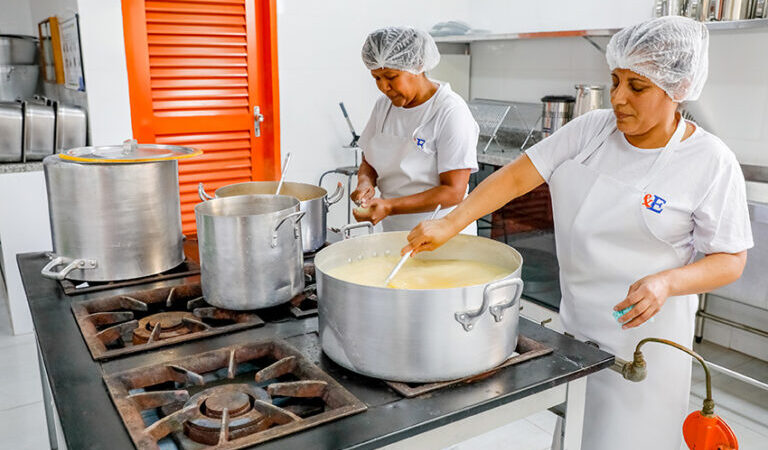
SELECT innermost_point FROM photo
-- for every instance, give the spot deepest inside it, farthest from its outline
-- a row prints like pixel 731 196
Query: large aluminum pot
pixel 313 200
pixel 18 81
pixel 18 49
pixel 250 250
pixel 418 335
pixel 113 221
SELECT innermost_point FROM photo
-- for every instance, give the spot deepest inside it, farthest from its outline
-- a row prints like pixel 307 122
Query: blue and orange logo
pixel 420 143
pixel 654 203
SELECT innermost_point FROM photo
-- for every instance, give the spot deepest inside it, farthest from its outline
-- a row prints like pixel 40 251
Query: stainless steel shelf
pixel 738 25
pixel 469 38
pixel 606 32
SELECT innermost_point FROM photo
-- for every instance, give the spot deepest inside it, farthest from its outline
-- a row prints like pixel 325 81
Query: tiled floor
pixel 744 407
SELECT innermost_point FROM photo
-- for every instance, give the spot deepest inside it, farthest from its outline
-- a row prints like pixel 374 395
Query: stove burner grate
pixel 233 397
pixel 527 349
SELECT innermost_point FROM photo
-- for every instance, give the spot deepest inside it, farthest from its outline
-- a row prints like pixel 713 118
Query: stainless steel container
pixel 588 98
pixel 11 131
pixel 71 127
pixel 18 49
pixel 314 201
pixel 113 221
pixel 39 130
pixel 17 81
pixel 418 335
pixel 556 111
pixel 250 250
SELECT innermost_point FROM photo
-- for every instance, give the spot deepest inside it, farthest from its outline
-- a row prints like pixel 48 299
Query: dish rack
pixel 492 116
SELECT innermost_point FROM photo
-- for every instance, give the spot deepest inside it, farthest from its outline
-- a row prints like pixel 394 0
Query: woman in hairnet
pixel 419 146
pixel 636 192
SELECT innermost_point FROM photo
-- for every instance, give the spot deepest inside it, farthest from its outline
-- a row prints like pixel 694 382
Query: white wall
pixel 319 65
pixel 16 18
pixel 106 76
pixel 504 16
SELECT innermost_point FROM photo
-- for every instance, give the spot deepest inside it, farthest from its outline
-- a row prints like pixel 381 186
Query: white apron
pixel 403 169
pixel 603 246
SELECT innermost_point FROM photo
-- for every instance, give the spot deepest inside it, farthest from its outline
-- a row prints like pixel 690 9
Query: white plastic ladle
pixel 407 255
pixel 282 175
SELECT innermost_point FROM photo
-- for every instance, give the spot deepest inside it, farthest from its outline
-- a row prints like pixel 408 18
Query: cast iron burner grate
pixel 527 349
pixel 233 397
pixel 186 269
pixel 144 320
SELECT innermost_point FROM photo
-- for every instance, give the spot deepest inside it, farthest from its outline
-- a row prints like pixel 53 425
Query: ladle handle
pixel 282 174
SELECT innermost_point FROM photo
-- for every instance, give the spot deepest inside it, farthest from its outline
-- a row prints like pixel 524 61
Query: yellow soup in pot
pixel 419 273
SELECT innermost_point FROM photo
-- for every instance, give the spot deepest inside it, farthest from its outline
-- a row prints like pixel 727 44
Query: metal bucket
pixel 250 250
pixel 418 335
pixel 313 200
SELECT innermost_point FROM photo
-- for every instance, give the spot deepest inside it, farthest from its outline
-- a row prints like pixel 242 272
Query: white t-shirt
pixel 451 131
pixel 703 185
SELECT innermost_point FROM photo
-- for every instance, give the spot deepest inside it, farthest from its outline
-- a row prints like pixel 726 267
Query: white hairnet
pixel 670 51
pixel 400 48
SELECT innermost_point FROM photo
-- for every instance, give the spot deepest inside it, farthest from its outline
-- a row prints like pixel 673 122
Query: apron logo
pixel 420 143
pixel 654 203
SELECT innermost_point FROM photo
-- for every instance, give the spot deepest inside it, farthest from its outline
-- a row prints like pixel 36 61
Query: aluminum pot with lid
pixel 419 335
pixel 313 200
pixel 114 211
pixel 250 250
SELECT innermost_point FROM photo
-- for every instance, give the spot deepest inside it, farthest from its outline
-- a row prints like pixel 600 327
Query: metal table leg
pixel 698 334
pixel 574 414
pixel 48 404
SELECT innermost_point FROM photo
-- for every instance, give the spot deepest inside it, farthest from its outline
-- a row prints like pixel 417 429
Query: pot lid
pixel 129 152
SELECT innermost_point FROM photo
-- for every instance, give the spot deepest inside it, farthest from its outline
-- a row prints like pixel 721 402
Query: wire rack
pixel 495 115
pixel 489 117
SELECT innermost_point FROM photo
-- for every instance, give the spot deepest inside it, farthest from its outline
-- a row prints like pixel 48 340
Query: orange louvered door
pixel 197 69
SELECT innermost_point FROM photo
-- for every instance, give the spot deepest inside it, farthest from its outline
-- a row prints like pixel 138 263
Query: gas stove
pixel 148 319
pixel 233 397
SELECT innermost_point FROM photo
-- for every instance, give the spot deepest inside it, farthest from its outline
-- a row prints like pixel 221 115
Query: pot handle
pixel 336 196
pixel 201 192
pixel 497 311
pixel 344 230
pixel 467 319
pixel 71 264
pixel 296 217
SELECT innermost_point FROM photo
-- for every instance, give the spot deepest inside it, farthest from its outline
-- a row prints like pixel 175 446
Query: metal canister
pixel 588 98
pixel 556 111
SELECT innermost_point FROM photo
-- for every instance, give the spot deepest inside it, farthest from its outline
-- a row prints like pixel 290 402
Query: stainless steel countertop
pixel 21 167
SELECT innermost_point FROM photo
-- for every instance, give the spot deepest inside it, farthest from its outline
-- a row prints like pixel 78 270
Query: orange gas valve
pixel 702 430
pixel 708 433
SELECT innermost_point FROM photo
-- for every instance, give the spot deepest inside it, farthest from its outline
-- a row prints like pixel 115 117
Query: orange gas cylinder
pixel 708 433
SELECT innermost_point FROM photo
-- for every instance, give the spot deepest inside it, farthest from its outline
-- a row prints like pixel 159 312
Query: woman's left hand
pixel 648 295
pixel 376 210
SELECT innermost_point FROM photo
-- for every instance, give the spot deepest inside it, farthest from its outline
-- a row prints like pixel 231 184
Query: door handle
pixel 258 117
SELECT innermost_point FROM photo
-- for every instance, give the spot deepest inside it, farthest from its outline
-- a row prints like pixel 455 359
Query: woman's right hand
pixel 429 235
pixel 363 194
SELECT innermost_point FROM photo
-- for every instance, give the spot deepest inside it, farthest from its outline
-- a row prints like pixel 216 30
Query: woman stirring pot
pixel 420 144
pixel 636 192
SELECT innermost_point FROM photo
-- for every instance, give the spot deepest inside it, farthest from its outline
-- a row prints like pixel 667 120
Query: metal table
pixel 89 420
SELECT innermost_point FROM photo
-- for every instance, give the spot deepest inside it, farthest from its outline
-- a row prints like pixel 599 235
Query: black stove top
pixel 89 418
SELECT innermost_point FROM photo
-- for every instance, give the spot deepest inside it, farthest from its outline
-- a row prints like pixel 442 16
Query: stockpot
pixel 114 211
pixel 418 335
pixel 250 250
pixel 313 200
